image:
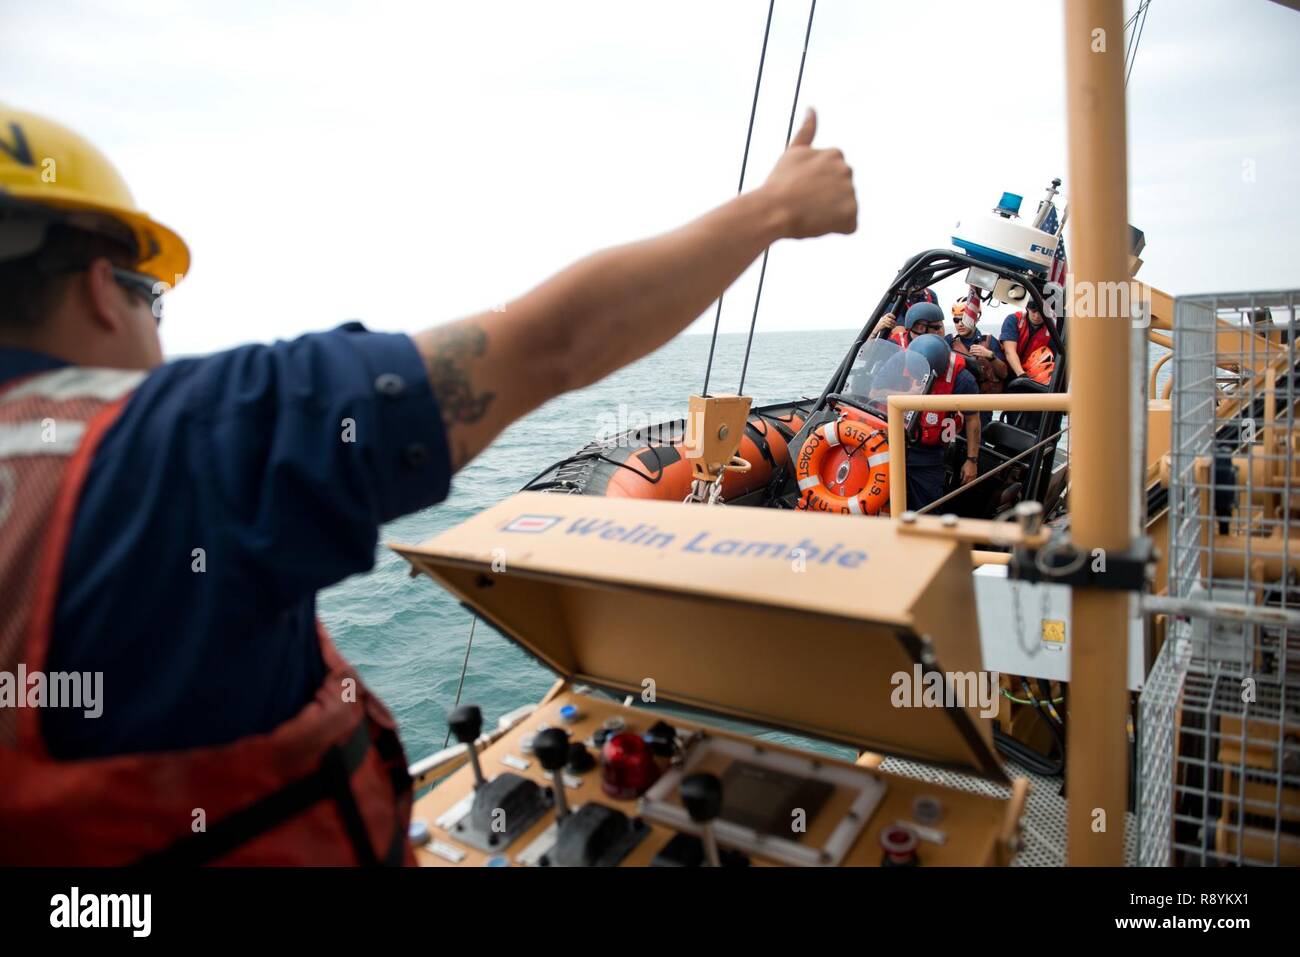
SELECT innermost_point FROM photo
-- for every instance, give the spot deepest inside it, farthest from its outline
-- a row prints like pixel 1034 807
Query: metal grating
pixel 1156 719
pixel 1219 719
pixel 1044 821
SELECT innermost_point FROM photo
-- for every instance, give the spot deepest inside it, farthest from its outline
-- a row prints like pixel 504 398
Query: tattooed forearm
pixel 449 353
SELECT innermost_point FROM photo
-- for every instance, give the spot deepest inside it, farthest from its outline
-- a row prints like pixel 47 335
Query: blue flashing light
pixel 1010 203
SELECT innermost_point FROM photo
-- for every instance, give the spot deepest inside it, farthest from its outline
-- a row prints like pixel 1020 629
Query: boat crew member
pixel 937 430
pixel 983 353
pixel 1027 344
pixel 922 318
pixel 921 294
pixel 917 294
pixel 168 524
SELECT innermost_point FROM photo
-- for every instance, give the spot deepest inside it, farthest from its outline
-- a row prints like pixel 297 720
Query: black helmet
pixel 935 351
pixel 922 312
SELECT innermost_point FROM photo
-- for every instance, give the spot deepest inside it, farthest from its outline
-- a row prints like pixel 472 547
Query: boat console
pixel 650 749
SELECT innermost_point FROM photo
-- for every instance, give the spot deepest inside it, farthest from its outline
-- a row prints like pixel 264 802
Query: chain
pixel 707 493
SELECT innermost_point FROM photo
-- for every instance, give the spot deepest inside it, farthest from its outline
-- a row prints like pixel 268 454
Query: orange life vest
pixel 328 786
pixel 932 428
pixel 900 336
pixel 1029 339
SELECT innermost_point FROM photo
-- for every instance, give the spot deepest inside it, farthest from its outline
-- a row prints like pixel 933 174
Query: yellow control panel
pixel 855 814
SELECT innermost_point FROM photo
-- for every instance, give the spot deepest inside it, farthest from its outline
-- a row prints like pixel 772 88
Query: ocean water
pixel 408 637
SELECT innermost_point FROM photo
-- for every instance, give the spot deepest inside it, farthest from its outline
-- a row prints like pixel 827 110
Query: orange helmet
pixel 1040 365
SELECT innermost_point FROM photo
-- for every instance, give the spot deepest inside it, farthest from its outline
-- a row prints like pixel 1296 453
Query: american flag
pixel 1050 225
pixel 972 310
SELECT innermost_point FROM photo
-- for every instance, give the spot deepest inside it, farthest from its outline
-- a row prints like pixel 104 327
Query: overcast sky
pixel 408 163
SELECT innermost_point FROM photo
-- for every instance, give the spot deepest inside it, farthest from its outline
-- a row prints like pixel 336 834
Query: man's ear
pixel 107 300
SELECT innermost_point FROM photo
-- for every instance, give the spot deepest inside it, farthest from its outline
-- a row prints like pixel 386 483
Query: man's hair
pixel 30 287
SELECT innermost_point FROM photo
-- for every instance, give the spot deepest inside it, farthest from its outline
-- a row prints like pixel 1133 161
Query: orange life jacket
pixel 932 431
pixel 900 336
pixel 1029 339
pixel 328 786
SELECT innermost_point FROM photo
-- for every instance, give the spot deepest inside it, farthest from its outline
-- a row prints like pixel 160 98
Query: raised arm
pixel 619 304
pixel 1011 351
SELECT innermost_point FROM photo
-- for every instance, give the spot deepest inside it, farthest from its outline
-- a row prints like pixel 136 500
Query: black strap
pixel 336 769
pixel 331 780
pixel 785 432
pixel 389 747
pixel 760 440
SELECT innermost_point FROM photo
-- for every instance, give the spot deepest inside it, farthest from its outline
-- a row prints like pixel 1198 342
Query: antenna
pixel 1052 191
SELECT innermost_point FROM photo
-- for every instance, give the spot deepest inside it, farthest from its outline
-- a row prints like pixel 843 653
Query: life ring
pixel 841 455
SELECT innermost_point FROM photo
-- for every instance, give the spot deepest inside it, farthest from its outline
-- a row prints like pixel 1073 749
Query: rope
pixel 463 668
pixel 1143 10
pixel 744 163
pixel 789 132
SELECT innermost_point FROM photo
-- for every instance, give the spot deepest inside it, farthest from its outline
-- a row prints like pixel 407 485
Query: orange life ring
pixel 841 455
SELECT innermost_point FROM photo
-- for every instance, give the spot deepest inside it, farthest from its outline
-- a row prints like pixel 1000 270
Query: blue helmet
pixel 934 350
pixel 922 312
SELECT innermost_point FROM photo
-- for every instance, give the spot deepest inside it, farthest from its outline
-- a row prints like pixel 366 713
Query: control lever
pixel 551 748
pixel 501 809
pixel 466 723
pixel 702 797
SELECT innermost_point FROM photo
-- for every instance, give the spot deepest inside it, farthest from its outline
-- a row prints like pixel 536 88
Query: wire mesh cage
pixel 1219 718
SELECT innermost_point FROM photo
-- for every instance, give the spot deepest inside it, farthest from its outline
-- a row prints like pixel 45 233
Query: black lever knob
pixel 551 748
pixel 466 722
pixel 701 795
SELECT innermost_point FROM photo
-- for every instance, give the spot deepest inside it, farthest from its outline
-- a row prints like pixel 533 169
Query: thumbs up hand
pixel 813 187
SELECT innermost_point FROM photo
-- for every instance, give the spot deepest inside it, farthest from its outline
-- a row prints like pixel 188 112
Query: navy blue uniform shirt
pixel 280 462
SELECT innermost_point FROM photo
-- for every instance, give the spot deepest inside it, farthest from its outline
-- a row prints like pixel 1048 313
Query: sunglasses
pixel 146 287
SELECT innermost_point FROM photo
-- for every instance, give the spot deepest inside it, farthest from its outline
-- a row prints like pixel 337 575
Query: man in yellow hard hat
pixel 166 693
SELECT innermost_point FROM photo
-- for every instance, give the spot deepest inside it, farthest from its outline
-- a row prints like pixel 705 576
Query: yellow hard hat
pixel 48 165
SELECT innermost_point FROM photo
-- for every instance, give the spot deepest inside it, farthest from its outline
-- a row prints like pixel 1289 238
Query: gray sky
pixel 407 163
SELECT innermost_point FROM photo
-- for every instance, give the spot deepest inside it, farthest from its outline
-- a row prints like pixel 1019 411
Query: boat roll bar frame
pixel 935 265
